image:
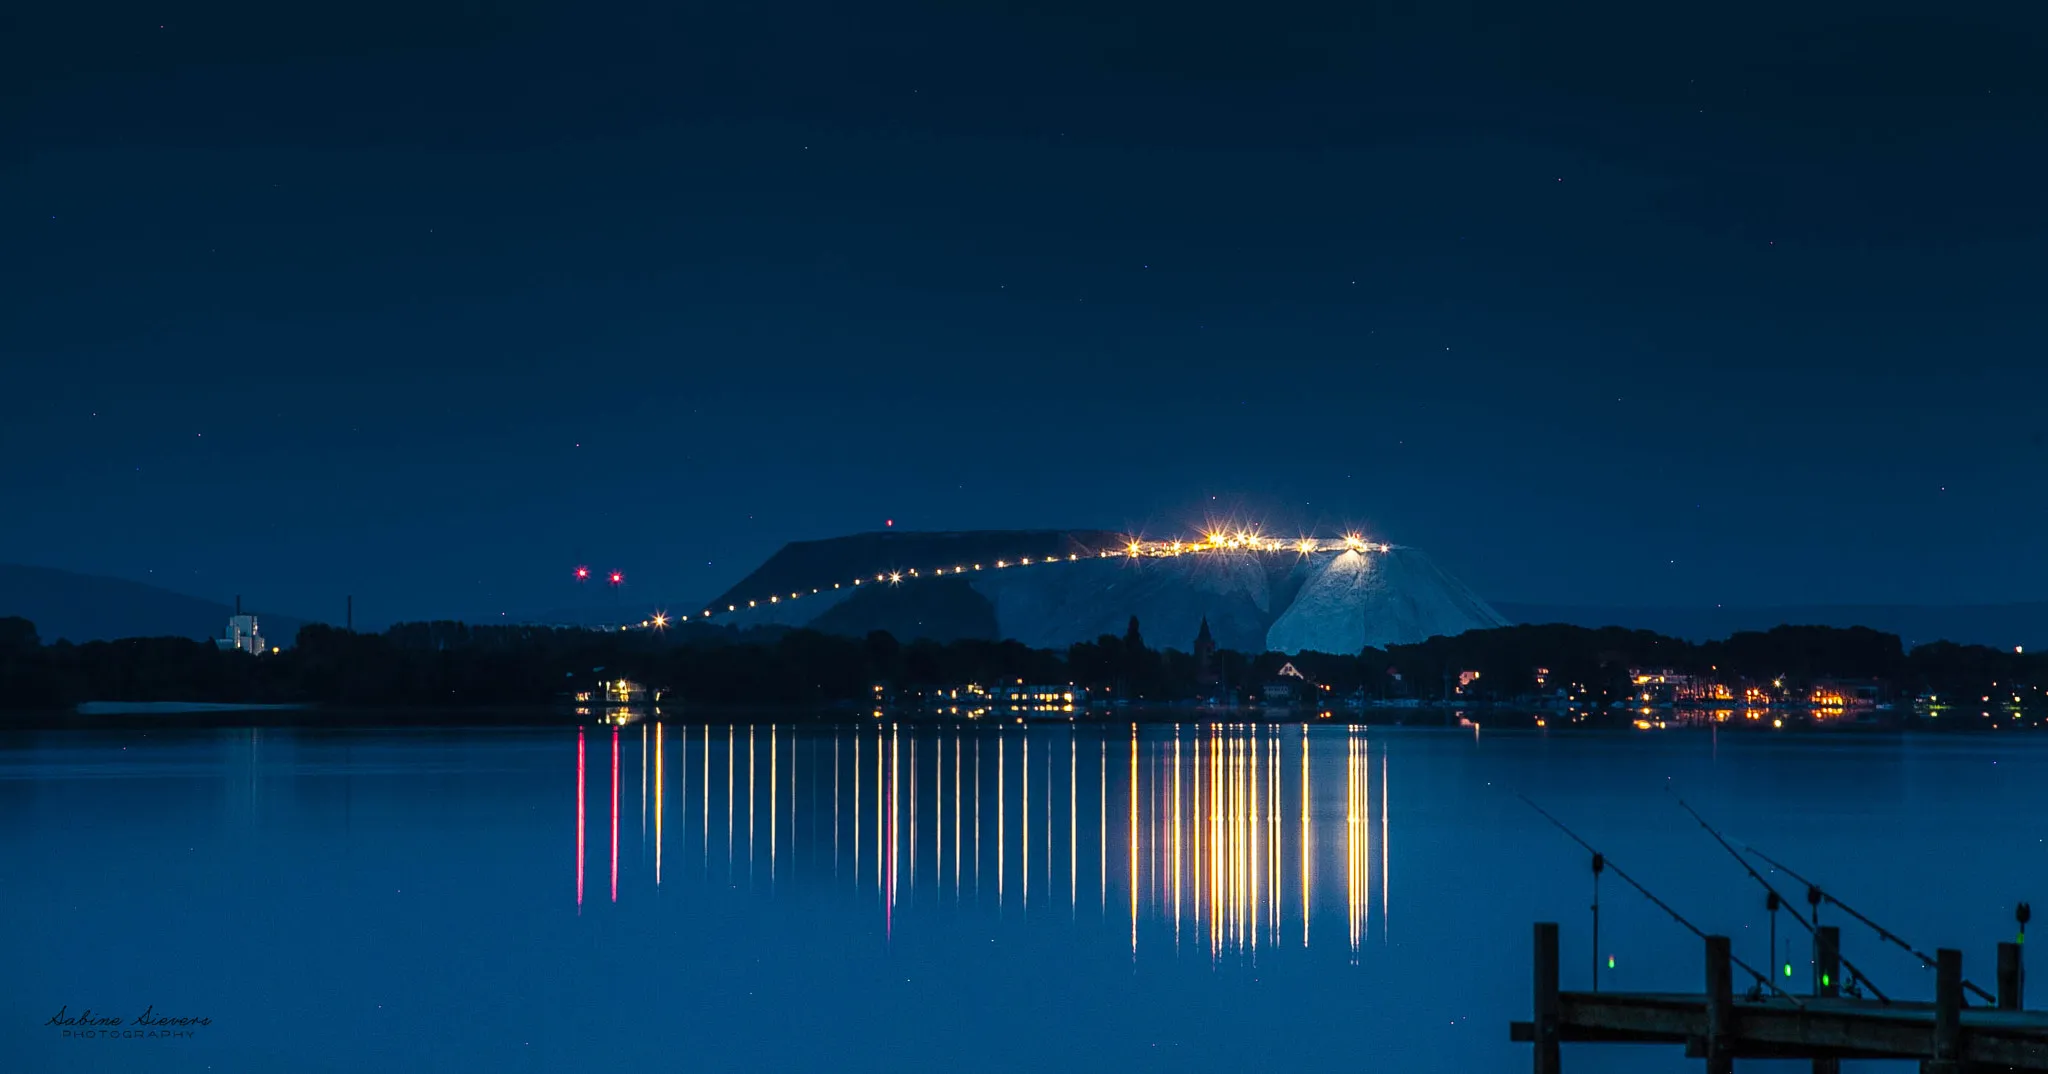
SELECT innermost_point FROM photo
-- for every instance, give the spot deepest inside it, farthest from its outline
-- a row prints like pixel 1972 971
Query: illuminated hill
pixel 1052 588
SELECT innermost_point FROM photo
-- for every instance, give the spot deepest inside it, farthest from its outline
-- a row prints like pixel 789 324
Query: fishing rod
pixel 1761 979
pixel 1776 898
pixel 1883 933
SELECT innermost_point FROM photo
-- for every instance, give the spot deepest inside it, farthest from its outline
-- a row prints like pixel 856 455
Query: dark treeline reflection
pixel 1234 836
pixel 447 663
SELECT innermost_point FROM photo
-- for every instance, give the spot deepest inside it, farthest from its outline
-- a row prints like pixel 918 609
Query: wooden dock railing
pixel 1946 1036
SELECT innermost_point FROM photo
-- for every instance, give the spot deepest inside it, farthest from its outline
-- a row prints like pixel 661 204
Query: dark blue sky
pixel 1621 305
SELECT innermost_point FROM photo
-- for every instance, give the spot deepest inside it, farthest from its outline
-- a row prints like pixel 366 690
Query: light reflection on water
pixel 1202 839
pixel 897 897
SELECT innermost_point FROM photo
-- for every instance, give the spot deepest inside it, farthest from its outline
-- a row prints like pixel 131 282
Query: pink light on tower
pixel 582 573
pixel 617 578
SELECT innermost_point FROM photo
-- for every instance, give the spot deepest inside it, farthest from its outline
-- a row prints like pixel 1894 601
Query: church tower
pixel 1206 677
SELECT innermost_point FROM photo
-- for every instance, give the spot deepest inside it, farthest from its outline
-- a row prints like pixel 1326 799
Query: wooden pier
pixel 1947 1036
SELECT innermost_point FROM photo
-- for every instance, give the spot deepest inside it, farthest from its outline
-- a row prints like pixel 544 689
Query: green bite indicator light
pixel 1788 969
pixel 1610 962
pixel 1826 980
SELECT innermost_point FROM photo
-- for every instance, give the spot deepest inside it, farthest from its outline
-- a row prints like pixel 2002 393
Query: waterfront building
pixel 1664 687
pixel 1044 700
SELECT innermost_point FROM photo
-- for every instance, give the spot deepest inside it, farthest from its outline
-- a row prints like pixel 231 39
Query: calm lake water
pixel 890 897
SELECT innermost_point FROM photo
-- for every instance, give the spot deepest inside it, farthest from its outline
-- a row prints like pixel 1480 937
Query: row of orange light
pixel 1252 541
pixel 1240 541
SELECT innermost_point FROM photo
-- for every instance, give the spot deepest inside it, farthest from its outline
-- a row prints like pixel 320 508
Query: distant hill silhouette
pixel 1998 625
pixel 90 607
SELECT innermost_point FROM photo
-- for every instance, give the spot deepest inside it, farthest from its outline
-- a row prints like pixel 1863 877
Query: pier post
pixel 1948 1007
pixel 1827 979
pixel 2011 978
pixel 1548 1060
pixel 1720 1007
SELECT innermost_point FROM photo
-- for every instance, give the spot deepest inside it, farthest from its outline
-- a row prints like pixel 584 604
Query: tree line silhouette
pixel 439 664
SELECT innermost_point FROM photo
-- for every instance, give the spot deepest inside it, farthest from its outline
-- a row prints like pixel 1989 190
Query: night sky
pixel 1641 305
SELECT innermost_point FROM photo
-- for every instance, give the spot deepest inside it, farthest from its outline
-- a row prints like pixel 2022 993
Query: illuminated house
pixel 971 700
pixel 1666 687
pixel 1040 701
pixel 1842 694
pixel 618 692
pixel 1288 685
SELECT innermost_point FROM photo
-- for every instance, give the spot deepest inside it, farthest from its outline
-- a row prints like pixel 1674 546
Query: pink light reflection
pixel 615 814
pixel 579 820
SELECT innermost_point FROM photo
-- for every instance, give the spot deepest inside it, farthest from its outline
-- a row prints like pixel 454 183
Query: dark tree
pixel 18 635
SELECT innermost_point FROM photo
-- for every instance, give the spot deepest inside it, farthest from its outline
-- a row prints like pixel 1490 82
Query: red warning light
pixel 583 574
pixel 618 577
pixel 888 522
